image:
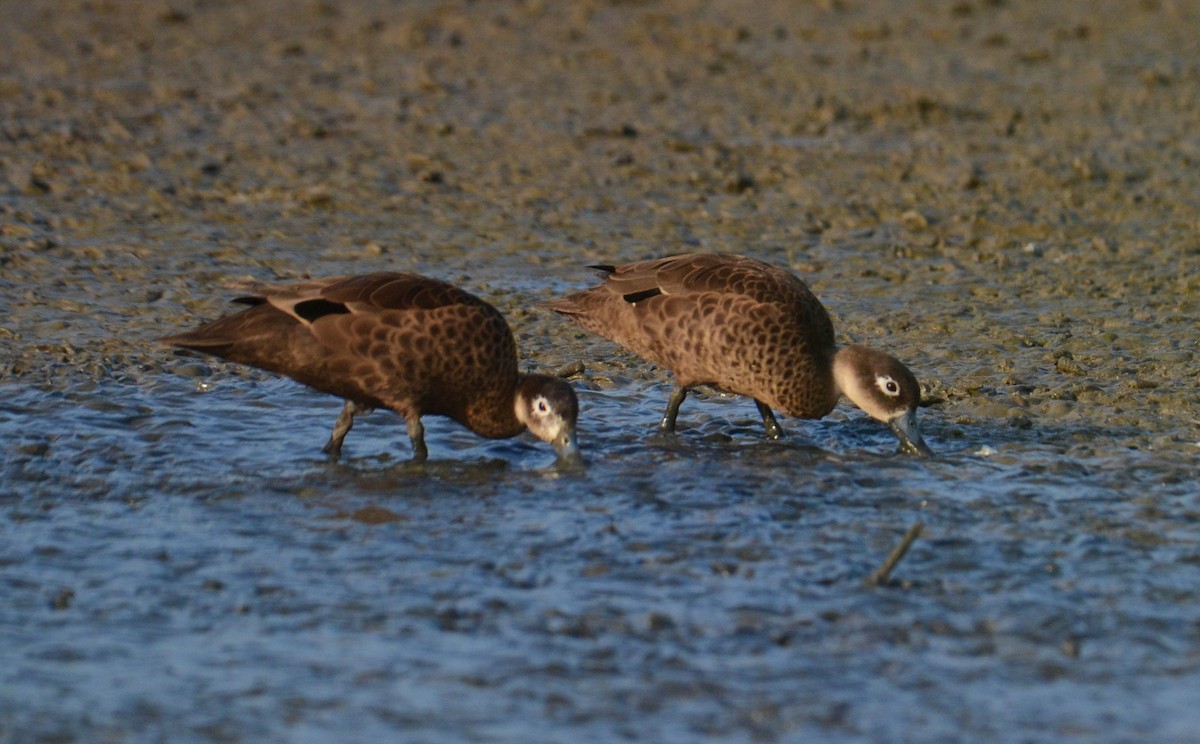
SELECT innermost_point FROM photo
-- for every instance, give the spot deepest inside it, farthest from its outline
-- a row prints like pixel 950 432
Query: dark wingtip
pixel 606 268
pixel 312 310
pixel 635 297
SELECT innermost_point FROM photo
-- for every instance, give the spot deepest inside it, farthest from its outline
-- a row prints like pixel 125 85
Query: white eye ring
pixel 890 387
pixel 541 405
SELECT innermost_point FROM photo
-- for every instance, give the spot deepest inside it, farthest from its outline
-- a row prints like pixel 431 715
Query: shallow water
pixel 1001 194
pixel 187 562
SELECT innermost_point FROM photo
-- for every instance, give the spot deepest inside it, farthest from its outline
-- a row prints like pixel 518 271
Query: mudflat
pixel 1003 194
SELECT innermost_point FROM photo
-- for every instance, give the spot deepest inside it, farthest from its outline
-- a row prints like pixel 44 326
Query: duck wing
pixel 386 339
pixel 728 320
pixel 368 294
pixel 693 274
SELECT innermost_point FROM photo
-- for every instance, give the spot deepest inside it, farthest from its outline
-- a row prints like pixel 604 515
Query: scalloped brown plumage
pixel 749 328
pixel 402 341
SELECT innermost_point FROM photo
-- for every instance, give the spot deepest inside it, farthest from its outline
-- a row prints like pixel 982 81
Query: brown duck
pixel 749 328
pixel 394 340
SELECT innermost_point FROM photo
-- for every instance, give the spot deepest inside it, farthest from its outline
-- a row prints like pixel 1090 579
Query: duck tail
pixel 568 305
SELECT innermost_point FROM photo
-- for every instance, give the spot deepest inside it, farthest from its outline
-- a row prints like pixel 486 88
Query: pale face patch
pixel 879 394
pixel 540 417
pixel 887 386
pixel 548 408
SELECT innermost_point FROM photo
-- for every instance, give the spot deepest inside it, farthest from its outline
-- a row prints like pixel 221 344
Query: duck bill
pixel 911 441
pixel 566 448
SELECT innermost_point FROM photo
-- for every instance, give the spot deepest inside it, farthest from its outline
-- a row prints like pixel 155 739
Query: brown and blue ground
pixel 1004 194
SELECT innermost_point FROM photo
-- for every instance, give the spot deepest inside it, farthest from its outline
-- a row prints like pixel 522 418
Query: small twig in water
pixel 880 576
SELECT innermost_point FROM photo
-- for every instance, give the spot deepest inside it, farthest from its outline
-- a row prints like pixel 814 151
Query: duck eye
pixel 541 405
pixel 889 386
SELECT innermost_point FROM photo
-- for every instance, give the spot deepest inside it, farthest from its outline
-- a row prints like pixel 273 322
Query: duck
pixel 399 341
pixel 748 328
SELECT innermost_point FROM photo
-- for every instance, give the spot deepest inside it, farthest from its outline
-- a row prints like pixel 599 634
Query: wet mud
pixel 1003 194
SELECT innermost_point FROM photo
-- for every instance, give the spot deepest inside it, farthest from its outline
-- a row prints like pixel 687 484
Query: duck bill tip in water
pixel 567 450
pixel 911 441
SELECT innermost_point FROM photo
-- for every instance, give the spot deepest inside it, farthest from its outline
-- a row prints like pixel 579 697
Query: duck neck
pixel 849 364
pixel 843 370
pixel 492 413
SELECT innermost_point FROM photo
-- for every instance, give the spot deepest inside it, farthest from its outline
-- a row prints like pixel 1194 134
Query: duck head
pixel 885 390
pixel 549 409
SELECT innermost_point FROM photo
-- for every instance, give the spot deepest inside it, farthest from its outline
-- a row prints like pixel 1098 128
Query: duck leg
pixel 341 427
pixel 774 430
pixel 667 425
pixel 416 432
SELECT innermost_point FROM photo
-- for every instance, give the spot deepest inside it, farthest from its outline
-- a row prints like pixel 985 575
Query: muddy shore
pixel 1004 194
